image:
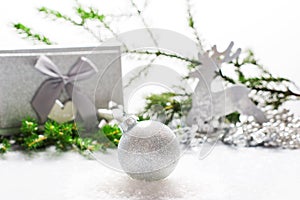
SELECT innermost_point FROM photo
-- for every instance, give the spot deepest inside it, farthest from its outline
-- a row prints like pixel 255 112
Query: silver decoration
pixel 113 112
pixel 148 150
pixel 282 130
pixel 102 123
pixel 105 114
pixel 207 103
pixel 204 132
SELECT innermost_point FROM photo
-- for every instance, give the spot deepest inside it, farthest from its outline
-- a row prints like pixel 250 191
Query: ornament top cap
pixel 128 123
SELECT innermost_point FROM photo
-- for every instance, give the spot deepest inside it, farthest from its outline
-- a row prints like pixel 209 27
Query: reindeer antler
pixel 212 60
pixel 223 57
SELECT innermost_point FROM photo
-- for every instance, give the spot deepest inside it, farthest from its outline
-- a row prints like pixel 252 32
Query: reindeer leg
pixel 247 107
pixel 208 145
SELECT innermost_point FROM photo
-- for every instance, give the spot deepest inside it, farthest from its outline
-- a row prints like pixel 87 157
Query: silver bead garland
pixel 281 131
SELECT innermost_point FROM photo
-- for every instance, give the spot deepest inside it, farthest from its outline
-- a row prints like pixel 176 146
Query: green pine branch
pixel 4 145
pixel 166 54
pixel 191 23
pixel 168 105
pixel 58 15
pixel 64 137
pixel 30 34
pixel 276 89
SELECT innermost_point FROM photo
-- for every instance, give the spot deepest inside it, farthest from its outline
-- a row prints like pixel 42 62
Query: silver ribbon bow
pixel 50 89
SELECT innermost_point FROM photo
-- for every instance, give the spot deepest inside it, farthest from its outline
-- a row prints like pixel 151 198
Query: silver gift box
pixel 19 80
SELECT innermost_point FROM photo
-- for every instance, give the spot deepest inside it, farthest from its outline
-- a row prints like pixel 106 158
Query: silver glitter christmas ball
pixel 148 150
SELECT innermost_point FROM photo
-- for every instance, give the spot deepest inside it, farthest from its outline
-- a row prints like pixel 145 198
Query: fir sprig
pixel 29 33
pixel 4 145
pixel 55 15
pixel 64 137
pixel 191 24
pixel 58 15
pixel 109 135
pixel 267 89
pixel 167 105
pixel 140 15
pixel 172 106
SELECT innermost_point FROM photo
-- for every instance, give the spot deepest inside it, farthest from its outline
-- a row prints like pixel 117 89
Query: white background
pixel 270 28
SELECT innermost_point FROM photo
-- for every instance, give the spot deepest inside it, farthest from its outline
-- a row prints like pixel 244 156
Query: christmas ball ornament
pixel 148 150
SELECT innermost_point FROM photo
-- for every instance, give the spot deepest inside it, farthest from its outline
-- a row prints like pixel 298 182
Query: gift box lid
pixel 37 50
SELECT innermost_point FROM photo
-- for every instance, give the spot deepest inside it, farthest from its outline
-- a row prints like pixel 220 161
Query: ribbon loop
pixel 46 66
pixel 50 89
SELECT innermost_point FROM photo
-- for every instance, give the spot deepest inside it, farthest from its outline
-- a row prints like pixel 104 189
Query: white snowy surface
pixel 227 173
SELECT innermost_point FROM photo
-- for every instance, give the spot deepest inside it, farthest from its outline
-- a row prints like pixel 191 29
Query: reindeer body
pixel 207 103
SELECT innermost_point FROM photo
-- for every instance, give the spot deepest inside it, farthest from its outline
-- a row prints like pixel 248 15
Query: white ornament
pixel 208 103
pixel 148 150
pixel 114 111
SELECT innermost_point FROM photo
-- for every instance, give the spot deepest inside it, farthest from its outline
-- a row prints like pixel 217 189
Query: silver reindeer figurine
pixel 208 103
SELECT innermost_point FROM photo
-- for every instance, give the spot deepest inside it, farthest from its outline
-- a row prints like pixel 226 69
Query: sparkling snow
pixel 227 173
